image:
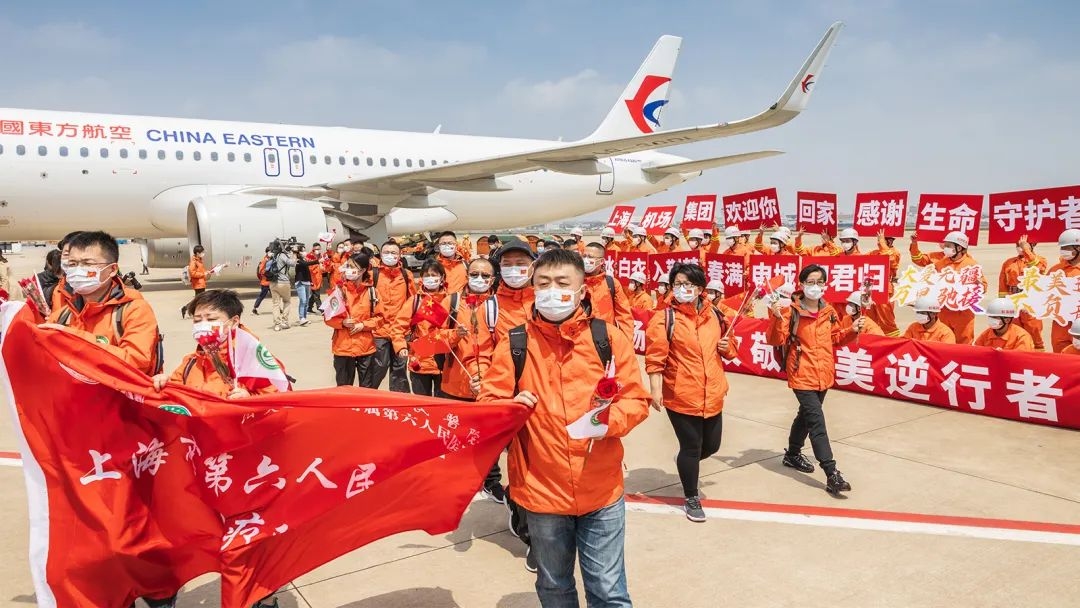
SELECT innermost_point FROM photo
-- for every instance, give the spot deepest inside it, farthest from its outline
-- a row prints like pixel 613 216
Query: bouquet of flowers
pixel 594 424
pixel 32 290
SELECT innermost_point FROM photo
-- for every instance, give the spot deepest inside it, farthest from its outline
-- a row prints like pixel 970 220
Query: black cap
pixel 515 244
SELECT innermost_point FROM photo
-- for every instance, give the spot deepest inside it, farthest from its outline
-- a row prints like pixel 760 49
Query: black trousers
pixel 348 369
pixel 315 301
pixel 264 292
pixel 810 421
pixel 698 438
pixel 387 360
pixel 426 384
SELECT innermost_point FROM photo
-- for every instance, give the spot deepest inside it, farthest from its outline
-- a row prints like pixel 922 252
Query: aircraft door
pixel 296 162
pixel 271 162
pixel 607 180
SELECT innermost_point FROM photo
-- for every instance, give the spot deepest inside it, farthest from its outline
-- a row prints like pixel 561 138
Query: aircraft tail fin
pixel 638 109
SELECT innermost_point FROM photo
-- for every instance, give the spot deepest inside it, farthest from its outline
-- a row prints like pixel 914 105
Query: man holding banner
pixel 954 255
pixel 1069 249
pixel 1012 270
pixel 884 313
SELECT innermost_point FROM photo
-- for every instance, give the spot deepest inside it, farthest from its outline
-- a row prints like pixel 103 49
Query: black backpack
pixel 519 347
pixel 405 274
pixel 782 351
pixel 670 321
pixel 157 354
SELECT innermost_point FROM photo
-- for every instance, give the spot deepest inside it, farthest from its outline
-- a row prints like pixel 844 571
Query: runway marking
pixel 10 459
pixel 862 519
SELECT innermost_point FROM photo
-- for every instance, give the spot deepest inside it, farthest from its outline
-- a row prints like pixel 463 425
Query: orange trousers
pixel 1034 327
pixel 962 322
pixel 885 316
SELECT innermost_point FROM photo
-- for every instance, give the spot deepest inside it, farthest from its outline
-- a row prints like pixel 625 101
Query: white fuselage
pixel 133 175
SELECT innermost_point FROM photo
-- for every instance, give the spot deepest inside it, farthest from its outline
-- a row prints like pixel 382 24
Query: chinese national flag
pixel 430 311
pixel 134 492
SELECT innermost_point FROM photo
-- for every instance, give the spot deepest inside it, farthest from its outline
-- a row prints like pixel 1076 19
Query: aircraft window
pixel 296 159
pixel 1 148
pixel 247 157
pixel 326 159
pixel 104 153
pixel 314 160
pixel 421 161
pixel 196 155
pixel 161 154
pixel 370 162
pixel 179 155
pixel 272 158
pixel 408 162
pixel 341 160
pixel 434 162
pixel 231 157
pixel 382 162
pixel 84 152
pixel 214 156
pixel 63 151
pixel 20 149
pixel 142 154
pixel 396 163
pixel 42 151
pixel 355 161
pixel 123 153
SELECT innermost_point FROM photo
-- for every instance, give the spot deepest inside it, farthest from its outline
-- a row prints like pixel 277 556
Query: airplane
pixel 234 186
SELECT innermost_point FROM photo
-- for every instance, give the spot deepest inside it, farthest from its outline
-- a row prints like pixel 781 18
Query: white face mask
pixel 209 333
pixel 848 245
pixel 390 259
pixel 84 280
pixel 669 241
pixel 555 304
pixel 1067 254
pixel 539 250
pixel 631 286
pixel 431 283
pixel 479 284
pixel 852 310
pixel 591 265
pixel 995 323
pixel 447 250
pixel 814 292
pixel 922 318
pixel 685 294
pixel 694 243
pixel 949 251
pixel 350 274
pixel 729 243
pixel 1076 343
pixel 710 296
pixel 661 289
pixel 341 249
pixel 774 247
pixel 1019 250
pixel 515 276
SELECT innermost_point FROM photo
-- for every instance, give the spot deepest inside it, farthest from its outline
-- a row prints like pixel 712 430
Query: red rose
pixel 473 300
pixel 414 365
pixel 607 388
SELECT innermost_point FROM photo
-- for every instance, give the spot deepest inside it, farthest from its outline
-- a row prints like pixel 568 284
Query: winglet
pixel 802 86
pixel 637 110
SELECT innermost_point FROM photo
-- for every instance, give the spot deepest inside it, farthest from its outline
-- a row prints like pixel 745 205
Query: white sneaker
pixel 303 322
pixel 277 328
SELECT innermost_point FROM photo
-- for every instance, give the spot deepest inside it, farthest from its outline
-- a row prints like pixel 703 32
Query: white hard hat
pixel 855 298
pixel 783 237
pixel 786 290
pixel 1074 331
pixel 696 233
pixel 715 285
pixel 1001 307
pixel 707 231
pixel 783 229
pixel 608 232
pixel 673 231
pixel 957 238
pixel 927 304
pixel 849 233
pixel 638 277
pixel 732 232
pixel 577 232
pixel 665 279
pixel 1069 238
pixel 638 231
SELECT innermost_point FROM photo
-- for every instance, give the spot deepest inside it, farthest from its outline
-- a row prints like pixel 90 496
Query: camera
pixel 278 246
pixel 130 280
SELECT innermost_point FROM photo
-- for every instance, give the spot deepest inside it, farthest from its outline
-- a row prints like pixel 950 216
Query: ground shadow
pixel 209 596
pixel 644 481
pixel 488 521
pixel 748 457
pixel 526 599
pixel 427 597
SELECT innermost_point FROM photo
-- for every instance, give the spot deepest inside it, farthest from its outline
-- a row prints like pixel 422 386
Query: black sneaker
pixel 266 602
pixel 183 312
pixel 693 509
pixel 495 492
pixel 530 561
pixel 254 311
pixel 836 483
pixel 798 462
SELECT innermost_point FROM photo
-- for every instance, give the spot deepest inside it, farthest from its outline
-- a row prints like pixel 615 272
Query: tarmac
pixel 947 508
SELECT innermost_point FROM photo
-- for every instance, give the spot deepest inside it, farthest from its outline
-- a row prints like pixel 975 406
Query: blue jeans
pixel 303 293
pixel 597 538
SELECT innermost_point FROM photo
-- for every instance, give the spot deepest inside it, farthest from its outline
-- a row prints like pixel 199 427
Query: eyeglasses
pixel 822 283
pixel 480 275
pixel 70 263
pixel 684 285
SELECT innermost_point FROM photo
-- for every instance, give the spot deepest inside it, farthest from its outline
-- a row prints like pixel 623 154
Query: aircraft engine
pixel 166 253
pixel 236 228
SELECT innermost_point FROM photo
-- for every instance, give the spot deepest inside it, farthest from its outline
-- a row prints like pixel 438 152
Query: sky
pixel 956 96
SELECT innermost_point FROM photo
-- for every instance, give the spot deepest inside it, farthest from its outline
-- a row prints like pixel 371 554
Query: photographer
pixel 303 281
pixel 283 258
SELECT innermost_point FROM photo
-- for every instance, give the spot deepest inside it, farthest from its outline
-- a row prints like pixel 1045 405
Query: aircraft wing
pixel 580 157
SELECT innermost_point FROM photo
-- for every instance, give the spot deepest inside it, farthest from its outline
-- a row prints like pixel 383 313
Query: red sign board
pixel 848 273
pixel 876 211
pixel 1041 214
pixel 751 210
pixel 623 264
pixel 641 323
pixel 699 212
pixel 764 267
pixel 658 219
pixel 816 213
pixel 940 214
pixel 660 264
pixel 620 217
pixel 732 270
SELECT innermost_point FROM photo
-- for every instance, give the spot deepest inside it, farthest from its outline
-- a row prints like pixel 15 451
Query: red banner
pixel 625 263
pixel 751 210
pixel 1027 386
pixel 940 214
pixel 620 217
pixel 764 267
pixel 660 264
pixel 714 267
pixel 848 273
pixel 134 492
pixel 699 211
pixel 816 213
pixel 641 323
pixel 876 211
pixel 658 219
pixel 732 271
pixel 1041 214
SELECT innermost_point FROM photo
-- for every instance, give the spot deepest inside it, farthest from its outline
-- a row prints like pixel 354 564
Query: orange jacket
pixel 640 299
pixel 395 289
pixel 645 247
pixel 694 380
pixel 1070 350
pixel 456 275
pixel 759 246
pixel 332 266
pixel 661 247
pixel 938 332
pixel 1059 334
pixel 515 305
pixel 824 249
pixel 261 272
pixel 316 273
pixel 817 336
pixel 894 257
pixel 1013 269
pixel 1014 338
pixel 96 323
pixel 197 271
pixel 550 472
pixel 425 365
pixel 613 310
pixel 358 307
pixel 847 325
pixel 472 350
pixel 663 301
pixel 465 248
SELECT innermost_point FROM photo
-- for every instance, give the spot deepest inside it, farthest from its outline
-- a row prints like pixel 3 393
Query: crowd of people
pixel 543 323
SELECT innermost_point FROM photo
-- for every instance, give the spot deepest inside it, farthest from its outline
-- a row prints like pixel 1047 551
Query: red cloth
pixel 143 526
